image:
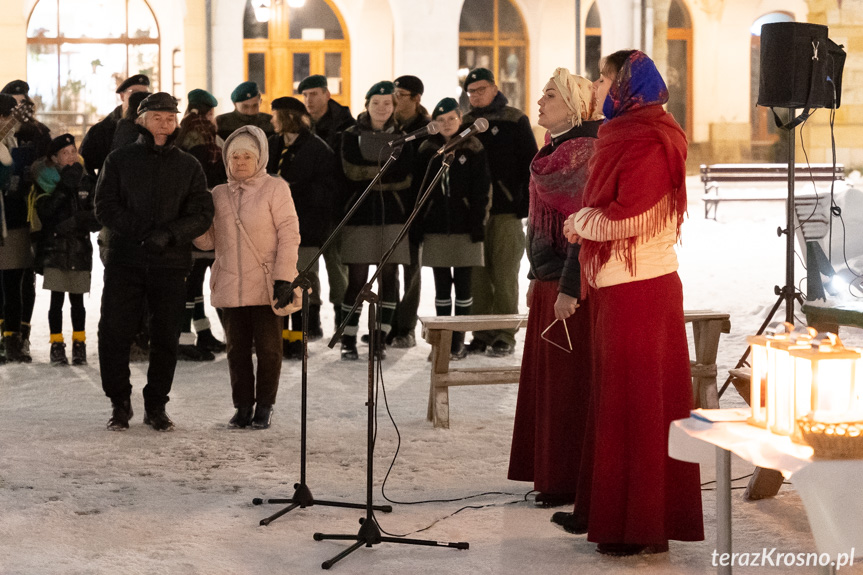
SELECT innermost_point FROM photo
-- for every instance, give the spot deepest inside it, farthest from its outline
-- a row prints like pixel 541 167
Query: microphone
pixel 427 130
pixel 480 125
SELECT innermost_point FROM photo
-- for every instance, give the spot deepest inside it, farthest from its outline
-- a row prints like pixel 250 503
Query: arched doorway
pixel 76 60
pixel 679 70
pixel 286 40
pixel 765 134
pixel 592 43
pixel 493 35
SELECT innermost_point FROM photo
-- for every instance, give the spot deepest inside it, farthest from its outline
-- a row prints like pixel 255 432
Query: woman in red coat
pixel 632 497
pixel 550 416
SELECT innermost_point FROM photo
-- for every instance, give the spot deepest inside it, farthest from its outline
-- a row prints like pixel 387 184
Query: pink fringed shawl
pixel 557 179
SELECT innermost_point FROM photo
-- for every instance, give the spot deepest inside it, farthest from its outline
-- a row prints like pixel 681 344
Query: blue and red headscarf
pixel 638 84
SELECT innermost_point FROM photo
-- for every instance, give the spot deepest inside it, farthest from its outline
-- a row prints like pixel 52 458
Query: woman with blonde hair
pixel 554 385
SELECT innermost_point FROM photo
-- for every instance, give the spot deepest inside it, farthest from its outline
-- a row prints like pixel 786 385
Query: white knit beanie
pixel 245 143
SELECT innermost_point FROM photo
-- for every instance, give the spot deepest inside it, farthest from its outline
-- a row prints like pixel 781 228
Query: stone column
pixel 660 35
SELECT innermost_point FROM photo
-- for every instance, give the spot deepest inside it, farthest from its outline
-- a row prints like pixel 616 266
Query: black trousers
pixel 125 291
pixel 244 327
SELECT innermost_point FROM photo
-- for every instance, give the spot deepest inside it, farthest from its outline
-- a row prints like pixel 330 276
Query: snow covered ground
pixel 77 499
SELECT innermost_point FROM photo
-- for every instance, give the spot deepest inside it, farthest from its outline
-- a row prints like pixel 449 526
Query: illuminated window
pixel 492 34
pixel 79 51
pixel 293 42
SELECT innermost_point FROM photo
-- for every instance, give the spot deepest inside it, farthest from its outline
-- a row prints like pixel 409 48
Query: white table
pixel 831 490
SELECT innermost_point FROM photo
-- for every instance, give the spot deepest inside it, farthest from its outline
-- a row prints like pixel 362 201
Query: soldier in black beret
pixel 511 146
pixel 410 115
pixel 247 112
pixel 97 142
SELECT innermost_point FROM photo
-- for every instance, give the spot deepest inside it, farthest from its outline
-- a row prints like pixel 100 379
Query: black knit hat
pixel 410 83
pixel 477 75
pixel 136 80
pixel 288 103
pixel 59 143
pixel 16 88
pixel 7 102
pixel 159 102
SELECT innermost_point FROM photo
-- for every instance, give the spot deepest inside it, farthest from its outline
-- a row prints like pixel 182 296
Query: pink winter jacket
pixel 266 209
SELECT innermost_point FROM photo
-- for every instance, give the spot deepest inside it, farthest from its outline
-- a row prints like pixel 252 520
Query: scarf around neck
pixel 558 174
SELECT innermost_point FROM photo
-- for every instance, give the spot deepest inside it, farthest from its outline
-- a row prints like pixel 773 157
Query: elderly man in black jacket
pixel 153 200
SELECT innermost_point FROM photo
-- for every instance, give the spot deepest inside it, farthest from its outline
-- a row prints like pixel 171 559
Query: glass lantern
pixel 825 382
pixel 758 382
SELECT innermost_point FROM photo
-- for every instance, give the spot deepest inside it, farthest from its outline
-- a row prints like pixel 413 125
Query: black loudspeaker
pixel 800 67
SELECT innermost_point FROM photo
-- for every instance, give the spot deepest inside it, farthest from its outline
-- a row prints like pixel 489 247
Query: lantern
pixel 779 400
pixel 758 382
pixel 827 371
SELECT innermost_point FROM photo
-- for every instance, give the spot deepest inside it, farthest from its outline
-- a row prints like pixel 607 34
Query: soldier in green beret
pixel 247 112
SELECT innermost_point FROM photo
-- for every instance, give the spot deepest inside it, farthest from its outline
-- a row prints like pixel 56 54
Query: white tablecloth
pixel 832 491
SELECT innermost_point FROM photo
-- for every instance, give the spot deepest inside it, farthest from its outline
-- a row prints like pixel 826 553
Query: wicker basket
pixel 833 440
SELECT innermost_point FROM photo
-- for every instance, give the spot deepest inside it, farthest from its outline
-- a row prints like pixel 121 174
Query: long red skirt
pixel 553 397
pixel 629 488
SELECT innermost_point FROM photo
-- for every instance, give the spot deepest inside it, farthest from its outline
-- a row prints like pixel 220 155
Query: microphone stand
pixel 302 496
pixel 369 533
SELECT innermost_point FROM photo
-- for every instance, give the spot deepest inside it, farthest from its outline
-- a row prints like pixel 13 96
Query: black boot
pixel 316 332
pixel 243 417
pixel 25 343
pixel 206 340
pixel 263 416
pixel 12 344
pixel 189 352
pixel 292 350
pixel 349 347
pixel 120 416
pixel 158 419
pixel 381 343
pixel 457 349
pixel 79 353
pixel 58 353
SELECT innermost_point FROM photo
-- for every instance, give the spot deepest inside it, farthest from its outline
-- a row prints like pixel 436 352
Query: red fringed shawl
pixel 638 171
pixel 557 179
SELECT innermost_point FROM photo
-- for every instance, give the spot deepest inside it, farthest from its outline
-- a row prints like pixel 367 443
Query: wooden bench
pixel 828 317
pixel 707 326
pixel 718 178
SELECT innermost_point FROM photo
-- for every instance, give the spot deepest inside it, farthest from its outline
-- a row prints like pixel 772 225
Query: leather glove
pixel 282 293
pixel 71 175
pixel 156 242
pixel 66 226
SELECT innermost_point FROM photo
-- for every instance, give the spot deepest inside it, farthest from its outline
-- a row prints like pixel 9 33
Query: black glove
pixel 66 226
pixel 157 241
pixel 282 293
pixel 71 175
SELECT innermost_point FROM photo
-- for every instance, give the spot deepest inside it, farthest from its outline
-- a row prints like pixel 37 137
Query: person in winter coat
pixel 511 146
pixel 308 164
pixel 375 225
pixel 198 137
pixel 551 412
pixel 632 497
pixel 153 199
pixel 255 222
pixel 96 144
pixel 451 224
pixel 410 115
pixel 28 141
pixel 16 256
pixel 64 254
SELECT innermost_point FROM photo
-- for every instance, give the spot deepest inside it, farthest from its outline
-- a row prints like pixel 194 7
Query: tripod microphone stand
pixel 788 294
pixel 369 533
pixel 302 496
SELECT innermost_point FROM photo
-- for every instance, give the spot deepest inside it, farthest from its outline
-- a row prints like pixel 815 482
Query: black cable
pixel 733 480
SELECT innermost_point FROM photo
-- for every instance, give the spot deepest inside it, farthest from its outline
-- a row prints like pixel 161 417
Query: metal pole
pixel 579 65
pixel 208 22
pixel 723 511
pixel 789 228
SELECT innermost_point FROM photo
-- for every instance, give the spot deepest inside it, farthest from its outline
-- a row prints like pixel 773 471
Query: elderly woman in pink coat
pixel 255 222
